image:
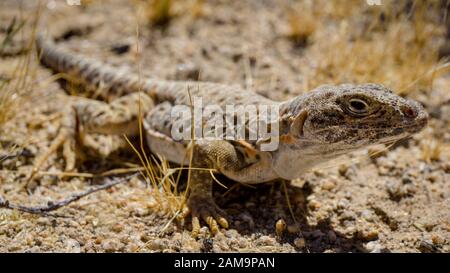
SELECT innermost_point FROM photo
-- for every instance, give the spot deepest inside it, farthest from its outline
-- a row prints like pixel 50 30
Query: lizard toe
pixel 210 213
pixel 69 154
pixel 195 226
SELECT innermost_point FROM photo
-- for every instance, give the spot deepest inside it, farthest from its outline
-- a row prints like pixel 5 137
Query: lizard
pixel 315 127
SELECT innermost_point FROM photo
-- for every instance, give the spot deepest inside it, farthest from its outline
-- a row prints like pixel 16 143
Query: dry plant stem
pixel 288 201
pixel 93 175
pixel 51 206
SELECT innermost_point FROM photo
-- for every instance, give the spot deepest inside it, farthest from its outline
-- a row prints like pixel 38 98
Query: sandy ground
pixel 397 201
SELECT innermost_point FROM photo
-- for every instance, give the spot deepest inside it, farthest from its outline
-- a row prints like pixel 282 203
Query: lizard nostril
pixel 409 112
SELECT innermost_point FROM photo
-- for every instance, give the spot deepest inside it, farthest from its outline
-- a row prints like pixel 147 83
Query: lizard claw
pixel 206 210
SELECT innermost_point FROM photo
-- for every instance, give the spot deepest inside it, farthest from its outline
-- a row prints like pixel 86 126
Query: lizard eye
pixel 358 106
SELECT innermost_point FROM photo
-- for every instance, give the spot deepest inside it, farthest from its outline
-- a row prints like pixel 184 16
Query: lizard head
pixel 334 120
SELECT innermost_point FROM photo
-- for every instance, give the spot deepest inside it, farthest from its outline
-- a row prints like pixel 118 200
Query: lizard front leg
pixel 200 202
pixel 225 157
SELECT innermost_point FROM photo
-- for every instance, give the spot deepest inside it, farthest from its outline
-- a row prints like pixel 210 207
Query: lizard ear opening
pixel 297 124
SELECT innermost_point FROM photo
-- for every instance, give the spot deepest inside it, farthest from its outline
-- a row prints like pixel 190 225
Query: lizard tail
pixel 101 79
pixel 105 81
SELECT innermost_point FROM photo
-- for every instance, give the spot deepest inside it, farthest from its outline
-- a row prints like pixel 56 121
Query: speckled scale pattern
pixel 113 82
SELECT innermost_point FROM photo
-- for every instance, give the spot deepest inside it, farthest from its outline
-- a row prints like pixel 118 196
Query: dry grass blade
pixel 389 46
pixel 286 194
pixel 11 31
pixel 155 170
pixel 93 175
pixel 15 87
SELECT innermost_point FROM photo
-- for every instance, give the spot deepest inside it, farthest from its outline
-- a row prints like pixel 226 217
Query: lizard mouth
pixel 405 129
pixel 414 126
pixel 402 132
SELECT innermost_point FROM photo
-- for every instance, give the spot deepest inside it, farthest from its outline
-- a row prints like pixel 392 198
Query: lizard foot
pixel 206 209
pixel 63 140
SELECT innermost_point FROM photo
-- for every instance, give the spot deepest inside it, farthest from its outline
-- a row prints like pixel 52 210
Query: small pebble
pixel 373 247
pixel 111 245
pixel 73 246
pixel 187 71
pixel 343 204
pixel 231 233
pixel 43 221
pixel 367 215
pixel 117 227
pixel 319 173
pixel 34 249
pixel 343 170
pixel 280 227
pixel 133 248
pixel 141 212
pixel 242 243
pixel 406 180
pixel 300 242
pixel 98 240
pixel 14 247
pixel 156 244
pixel 204 231
pixel 433 177
pixel 265 241
pixel 329 185
pixel 437 240
pixel 368 234
pixel 347 215
pixel 314 204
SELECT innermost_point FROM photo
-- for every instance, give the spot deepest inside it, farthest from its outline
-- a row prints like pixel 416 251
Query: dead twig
pixel 51 206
